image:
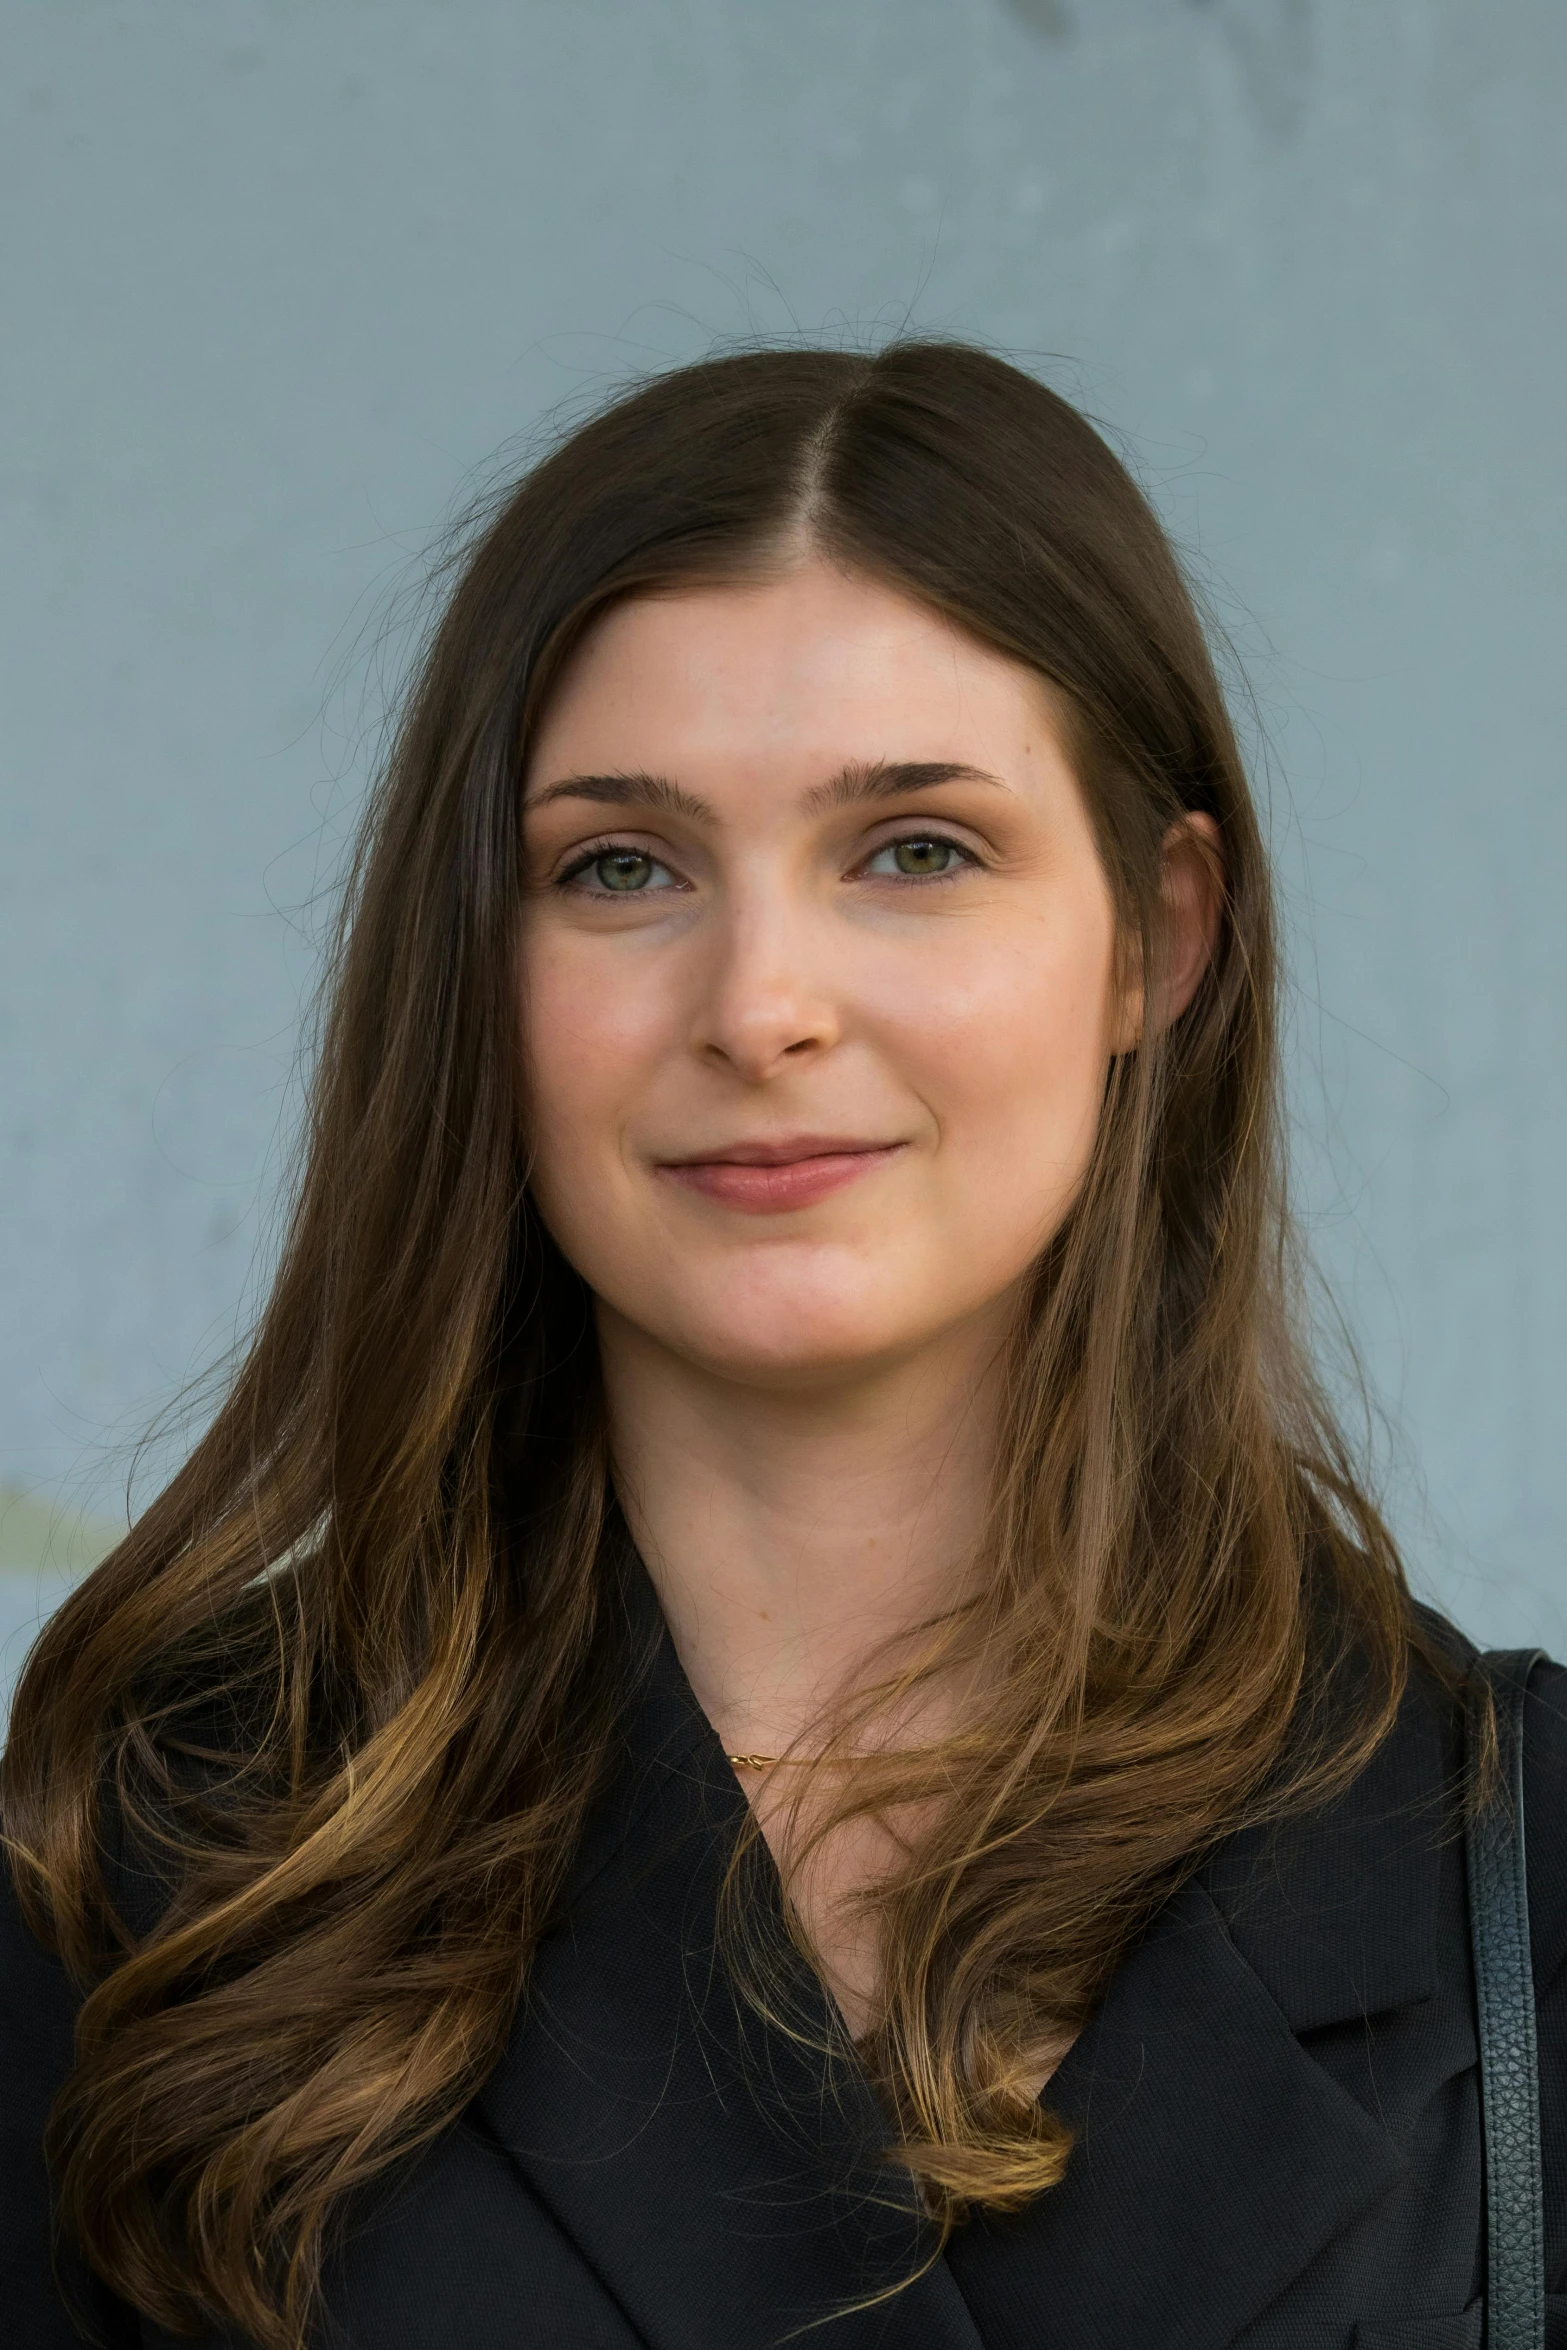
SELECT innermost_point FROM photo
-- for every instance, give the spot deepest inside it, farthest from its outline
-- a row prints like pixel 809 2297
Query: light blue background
pixel 278 275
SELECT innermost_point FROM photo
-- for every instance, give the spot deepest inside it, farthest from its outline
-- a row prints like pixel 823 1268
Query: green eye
pixel 619 871
pixel 623 869
pixel 921 857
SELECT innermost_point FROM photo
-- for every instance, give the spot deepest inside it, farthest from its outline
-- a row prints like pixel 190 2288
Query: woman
pixel 772 1710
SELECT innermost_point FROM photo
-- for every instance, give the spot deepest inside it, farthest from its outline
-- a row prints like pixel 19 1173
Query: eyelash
pixel 967 859
pixel 587 858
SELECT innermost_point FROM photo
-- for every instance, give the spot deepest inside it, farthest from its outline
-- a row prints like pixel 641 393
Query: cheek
pixel 1009 1040
pixel 585 1046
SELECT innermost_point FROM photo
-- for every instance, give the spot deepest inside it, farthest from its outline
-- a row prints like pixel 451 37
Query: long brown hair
pixel 345 1693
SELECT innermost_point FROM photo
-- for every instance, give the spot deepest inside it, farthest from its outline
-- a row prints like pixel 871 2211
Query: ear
pixel 1193 891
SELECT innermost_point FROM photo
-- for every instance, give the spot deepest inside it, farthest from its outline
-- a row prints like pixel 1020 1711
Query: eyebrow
pixel 888 779
pixel 859 781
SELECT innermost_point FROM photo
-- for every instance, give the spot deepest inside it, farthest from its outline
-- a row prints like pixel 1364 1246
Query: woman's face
pixel 818 975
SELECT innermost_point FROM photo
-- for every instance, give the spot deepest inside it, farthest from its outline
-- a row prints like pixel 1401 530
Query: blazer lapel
pixel 724 2183
pixel 1215 2156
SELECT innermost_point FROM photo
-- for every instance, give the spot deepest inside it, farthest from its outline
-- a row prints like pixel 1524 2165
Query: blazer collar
pixel 725 2181
pixel 1214 2159
pixel 1215 2156
pixel 1336 1909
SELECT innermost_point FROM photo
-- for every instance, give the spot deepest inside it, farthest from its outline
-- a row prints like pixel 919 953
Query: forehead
pixel 811 667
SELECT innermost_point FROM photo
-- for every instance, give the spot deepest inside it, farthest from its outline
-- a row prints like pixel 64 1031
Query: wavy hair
pixel 346 1692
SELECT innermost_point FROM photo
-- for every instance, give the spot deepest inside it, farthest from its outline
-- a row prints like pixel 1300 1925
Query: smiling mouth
pixel 768 1179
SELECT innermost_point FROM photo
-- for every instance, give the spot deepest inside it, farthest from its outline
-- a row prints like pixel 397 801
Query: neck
pixel 793 1534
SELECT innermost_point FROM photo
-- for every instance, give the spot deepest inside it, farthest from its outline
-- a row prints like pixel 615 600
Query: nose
pixel 766 1000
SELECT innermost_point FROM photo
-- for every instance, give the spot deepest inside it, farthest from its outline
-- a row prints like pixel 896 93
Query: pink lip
pixel 767 1179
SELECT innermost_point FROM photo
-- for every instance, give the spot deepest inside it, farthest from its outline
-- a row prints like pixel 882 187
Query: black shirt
pixel 1276 2105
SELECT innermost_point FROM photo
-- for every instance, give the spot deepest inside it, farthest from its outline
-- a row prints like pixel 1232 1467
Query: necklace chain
pixel 800 1762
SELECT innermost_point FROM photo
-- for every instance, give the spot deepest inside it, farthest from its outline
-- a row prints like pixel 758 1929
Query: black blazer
pixel 1277 2104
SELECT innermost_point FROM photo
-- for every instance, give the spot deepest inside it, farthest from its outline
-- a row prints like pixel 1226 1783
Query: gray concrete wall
pixel 277 275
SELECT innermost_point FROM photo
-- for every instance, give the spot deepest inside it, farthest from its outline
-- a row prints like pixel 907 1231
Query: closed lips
pixel 770 1178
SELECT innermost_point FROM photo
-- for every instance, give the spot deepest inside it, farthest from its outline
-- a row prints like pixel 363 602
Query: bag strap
pixel 1504 2000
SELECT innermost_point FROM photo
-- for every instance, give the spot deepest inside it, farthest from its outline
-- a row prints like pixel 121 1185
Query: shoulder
pixel 1544 1778
pixel 1360 1902
pixel 1545 1817
pixel 38 2006
pixel 45 2285
pixel 1545 1860
pixel 39 2000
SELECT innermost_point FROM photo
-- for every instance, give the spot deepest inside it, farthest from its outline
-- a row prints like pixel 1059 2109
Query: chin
pixel 795 1343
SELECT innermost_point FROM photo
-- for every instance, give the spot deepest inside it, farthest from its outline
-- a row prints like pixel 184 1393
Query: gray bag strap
pixel 1504 2001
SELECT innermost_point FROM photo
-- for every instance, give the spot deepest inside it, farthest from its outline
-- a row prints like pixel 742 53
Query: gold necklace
pixel 801 1762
